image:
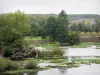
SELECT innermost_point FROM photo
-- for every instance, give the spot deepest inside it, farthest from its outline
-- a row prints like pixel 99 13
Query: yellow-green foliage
pixel 88 33
pixel 99 34
pixel 94 33
pixel 82 34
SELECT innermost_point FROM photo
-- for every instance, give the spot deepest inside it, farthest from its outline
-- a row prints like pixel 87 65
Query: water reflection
pixel 32 73
pixel 62 70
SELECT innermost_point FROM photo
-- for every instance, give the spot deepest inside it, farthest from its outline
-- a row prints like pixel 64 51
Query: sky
pixel 51 6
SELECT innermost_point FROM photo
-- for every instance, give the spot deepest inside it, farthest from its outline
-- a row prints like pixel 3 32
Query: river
pixel 93 69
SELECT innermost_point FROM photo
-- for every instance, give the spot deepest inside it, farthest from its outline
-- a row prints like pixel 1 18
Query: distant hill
pixel 86 20
pixel 80 16
pixel 71 16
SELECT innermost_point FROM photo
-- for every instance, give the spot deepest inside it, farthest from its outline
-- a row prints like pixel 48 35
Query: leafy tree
pixel 74 27
pixel 97 26
pixel 62 26
pixel 34 29
pixel 51 27
pixel 13 28
pixel 43 29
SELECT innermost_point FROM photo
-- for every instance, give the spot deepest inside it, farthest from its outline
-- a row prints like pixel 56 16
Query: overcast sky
pixel 51 6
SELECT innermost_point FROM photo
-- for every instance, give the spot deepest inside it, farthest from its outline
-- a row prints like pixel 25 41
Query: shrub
pixel 82 34
pixel 45 54
pixel 73 38
pixel 31 64
pixel 6 65
pixel 8 51
pixel 88 33
pixel 12 65
pixel 52 53
pixel 57 52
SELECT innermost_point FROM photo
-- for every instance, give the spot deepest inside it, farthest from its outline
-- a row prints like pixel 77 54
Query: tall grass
pixel 6 65
pixel 32 64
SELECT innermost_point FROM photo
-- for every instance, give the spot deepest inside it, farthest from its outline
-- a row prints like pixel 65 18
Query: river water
pixel 93 69
pixel 82 52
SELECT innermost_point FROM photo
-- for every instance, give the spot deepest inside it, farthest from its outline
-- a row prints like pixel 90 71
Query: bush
pixel 31 64
pixel 12 66
pixel 8 51
pixel 52 53
pixel 45 54
pixel 57 52
pixel 73 39
pixel 82 34
pixel 6 65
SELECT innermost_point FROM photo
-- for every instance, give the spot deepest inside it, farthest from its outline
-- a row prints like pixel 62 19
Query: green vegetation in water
pixel 56 52
pixel 60 63
pixel 88 61
pixel 8 65
pixel 31 65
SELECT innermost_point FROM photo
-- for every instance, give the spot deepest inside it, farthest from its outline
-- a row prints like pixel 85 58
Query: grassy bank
pixel 27 38
pixel 86 44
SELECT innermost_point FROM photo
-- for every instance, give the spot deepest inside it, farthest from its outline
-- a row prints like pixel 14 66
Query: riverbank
pixel 49 63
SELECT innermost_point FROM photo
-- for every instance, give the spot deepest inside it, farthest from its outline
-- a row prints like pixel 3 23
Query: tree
pixel 43 29
pixel 74 27
pixel 51 27
pixel 34 29
pixel 62 26
pixel 97 26
pixel 13 28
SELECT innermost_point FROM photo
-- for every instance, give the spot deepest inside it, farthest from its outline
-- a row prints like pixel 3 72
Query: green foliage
pixel 13 28
pixel 28 38
pixel 6 65
pixel 96 27
pixel 62 26
pixel 52 53
pixel 81 27
pixel 8 51
pixel 73 38
pixel 51 27
pixel 58 29
pixel 57 52
pixel 45 54
pixel 32 64
pixel 34 29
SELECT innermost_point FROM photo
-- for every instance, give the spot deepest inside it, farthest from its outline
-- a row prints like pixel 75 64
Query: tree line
pixel 56 27
pixel 86 27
